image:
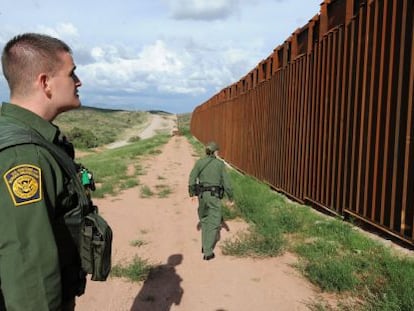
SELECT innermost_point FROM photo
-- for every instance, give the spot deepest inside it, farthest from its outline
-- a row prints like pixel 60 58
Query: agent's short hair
pixel 27 55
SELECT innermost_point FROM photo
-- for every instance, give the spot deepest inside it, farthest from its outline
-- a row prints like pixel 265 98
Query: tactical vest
pixel 90 232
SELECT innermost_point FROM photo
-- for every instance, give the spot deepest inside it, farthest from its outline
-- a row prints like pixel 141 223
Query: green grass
pixel 229 213
pixel 253 244
pixel 155 152
pixel 128 183
pixel 134 139
pixel 265 239
pixel 146 192
pixel 163 191
pixel 138 169
pixel 332 254
pixel 135 271
pixel 110 166
pixel 183 122
pixel 137 243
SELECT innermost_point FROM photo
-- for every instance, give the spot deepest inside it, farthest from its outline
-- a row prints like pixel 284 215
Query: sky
pixel 169 55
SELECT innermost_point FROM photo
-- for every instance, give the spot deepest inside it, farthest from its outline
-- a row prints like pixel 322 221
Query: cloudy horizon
pixel 169 55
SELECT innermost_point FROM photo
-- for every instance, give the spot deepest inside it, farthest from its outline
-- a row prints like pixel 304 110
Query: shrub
pixel 81 138
pixel 136 271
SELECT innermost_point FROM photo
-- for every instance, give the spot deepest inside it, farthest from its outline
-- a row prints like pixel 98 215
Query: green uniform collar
pixel 30 120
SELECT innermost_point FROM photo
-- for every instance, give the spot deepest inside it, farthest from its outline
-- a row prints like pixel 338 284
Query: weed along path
pixel 160 225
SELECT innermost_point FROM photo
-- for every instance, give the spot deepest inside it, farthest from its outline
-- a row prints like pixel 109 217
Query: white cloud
pixel 141 53
pixel 154 63
pixel 67 29
pixel 61 30
pixel 157 58
pixel 194 69
pixel 203 9
pixel 97 53
pixel 175 89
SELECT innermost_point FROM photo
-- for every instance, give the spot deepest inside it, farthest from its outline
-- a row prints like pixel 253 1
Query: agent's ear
pixel 43 81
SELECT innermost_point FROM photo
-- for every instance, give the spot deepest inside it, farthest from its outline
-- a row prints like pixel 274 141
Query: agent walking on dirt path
pixel 209 181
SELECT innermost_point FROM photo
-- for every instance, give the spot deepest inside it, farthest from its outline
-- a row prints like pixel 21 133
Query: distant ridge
pixel 159 112
pixel 100 109
pixel 118 110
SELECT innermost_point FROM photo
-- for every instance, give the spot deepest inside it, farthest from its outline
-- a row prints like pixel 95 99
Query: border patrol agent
pixel 40 266
pixel 209 181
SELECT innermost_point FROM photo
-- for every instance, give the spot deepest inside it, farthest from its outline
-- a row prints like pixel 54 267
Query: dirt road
pixel 183 281
pixel 156 124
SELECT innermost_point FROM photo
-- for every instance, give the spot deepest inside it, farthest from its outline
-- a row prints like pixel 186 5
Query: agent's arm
pixel 29 264
pixel 192 181
pixel 227 184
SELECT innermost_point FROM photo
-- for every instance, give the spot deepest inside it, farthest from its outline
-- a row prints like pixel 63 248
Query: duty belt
pixel 210 188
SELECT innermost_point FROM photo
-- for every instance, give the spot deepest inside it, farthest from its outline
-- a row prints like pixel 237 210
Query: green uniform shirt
pixel 210 171
pixel 39 262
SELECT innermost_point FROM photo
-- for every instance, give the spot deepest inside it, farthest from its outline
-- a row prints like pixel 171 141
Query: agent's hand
pixel 230 204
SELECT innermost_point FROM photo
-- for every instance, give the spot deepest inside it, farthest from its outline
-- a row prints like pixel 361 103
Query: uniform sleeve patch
pixel 24 183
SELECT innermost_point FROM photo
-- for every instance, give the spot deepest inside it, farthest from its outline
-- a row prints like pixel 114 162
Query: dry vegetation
pixel 106 125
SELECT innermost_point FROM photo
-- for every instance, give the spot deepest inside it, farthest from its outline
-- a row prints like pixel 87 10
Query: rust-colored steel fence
pixel 327 118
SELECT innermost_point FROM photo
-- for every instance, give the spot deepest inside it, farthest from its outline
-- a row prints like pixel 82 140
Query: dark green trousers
pixel 209 214
pixel 2 303
pixel 69 305
pixel 66 306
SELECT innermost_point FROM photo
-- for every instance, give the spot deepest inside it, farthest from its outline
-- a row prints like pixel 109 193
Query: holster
pixel 198 189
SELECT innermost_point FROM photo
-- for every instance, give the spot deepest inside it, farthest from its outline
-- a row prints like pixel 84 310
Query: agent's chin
pixel 74 105
pixel 77 103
